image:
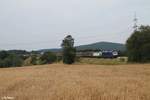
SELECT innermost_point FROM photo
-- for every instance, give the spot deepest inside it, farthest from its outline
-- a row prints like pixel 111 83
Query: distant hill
pixel 95 46
pixel 103 46
pixel 52 50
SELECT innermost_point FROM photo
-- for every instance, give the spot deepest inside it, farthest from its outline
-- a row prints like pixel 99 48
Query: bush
pixel 48 58
pixel 3 54
pixel 33 59
pixel 11 60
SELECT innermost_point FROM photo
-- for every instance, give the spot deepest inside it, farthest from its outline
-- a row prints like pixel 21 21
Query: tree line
pixel 138 50
pixel 18 58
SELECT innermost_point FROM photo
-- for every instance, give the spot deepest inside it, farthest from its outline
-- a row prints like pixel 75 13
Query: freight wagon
pixel 100 54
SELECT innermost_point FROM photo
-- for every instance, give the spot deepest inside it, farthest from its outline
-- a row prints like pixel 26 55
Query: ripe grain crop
pixel 76 82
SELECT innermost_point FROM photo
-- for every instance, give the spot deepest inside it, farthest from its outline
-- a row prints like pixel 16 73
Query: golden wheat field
pixel 76 82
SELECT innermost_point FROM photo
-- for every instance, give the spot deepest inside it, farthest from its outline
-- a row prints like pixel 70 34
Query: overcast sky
pixel 38 24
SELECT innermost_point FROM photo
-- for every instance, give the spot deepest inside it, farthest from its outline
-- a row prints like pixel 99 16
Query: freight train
pixel 100 54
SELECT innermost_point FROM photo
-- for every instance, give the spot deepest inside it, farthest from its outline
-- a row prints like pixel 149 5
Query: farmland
pixel 76 82
pixel 102 61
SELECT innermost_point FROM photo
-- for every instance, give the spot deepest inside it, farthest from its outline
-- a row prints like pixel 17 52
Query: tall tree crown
pixel 138 45
pixel 68 41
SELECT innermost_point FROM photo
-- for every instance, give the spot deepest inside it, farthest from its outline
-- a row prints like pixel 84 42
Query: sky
pixel 41 24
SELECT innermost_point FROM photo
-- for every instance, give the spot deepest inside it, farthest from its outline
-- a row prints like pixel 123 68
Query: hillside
pixel 52 50
pixel 103 46
pixel 94 46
